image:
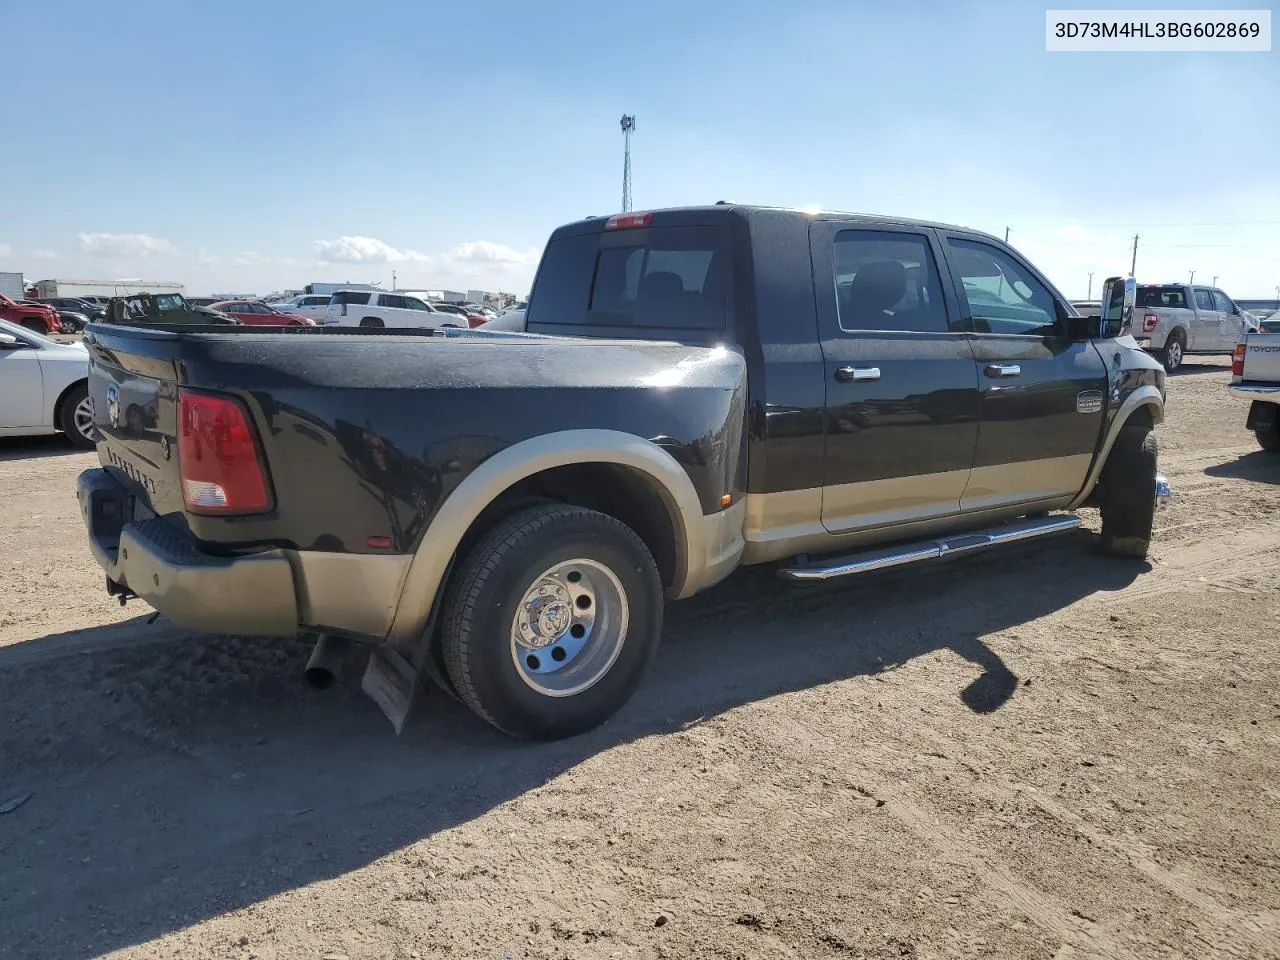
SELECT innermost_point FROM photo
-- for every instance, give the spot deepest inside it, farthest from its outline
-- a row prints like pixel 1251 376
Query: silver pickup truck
pixel 1174 319
pixel 1255 376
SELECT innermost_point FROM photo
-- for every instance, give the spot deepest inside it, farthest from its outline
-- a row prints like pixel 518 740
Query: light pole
pixel 1006 234
pixel 1193 277
pixel 1089 295
pixel 1215 280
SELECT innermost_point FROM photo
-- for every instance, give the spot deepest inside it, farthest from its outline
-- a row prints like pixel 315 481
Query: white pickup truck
pixel 1172 320
pixel 1255 376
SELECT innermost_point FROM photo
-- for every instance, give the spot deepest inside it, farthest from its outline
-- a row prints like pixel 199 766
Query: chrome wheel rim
pixel 569 627
pixel 1175 355
pixel 82 419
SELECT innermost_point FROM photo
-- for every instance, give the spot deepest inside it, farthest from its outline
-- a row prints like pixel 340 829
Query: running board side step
pixel 929 549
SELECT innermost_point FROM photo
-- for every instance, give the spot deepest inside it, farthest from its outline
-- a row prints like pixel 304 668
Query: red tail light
pixel 1237 361
pixel 1149 322
pixel 475 319
pixel 218 457
pixel 625 221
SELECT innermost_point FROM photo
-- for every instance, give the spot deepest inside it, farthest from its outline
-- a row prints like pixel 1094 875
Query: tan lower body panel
pixel 1008 483
pixel 849 515
pixel 882 503
pixel 354 592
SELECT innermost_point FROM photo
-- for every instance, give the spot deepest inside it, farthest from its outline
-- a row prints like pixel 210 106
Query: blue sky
pixel 255 146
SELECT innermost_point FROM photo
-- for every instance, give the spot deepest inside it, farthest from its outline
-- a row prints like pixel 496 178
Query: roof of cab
pixel 725 208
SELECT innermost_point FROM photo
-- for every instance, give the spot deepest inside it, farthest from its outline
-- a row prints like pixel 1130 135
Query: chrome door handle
pixel 1002 370
pixel 857 374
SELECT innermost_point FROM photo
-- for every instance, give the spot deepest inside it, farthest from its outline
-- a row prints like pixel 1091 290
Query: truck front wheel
pixel 551 621
pixel 1128 499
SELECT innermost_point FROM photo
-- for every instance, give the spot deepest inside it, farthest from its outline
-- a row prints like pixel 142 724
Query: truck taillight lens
pixel 475 319
pixel 218 457
pixel 1149 322
pixel 1237 361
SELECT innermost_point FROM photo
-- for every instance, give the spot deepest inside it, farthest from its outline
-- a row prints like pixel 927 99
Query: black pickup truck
pixel 694 389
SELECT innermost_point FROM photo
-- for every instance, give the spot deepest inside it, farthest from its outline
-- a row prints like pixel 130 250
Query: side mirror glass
pixel 1119 295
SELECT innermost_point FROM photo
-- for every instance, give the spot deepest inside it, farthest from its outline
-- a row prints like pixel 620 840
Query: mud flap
pixel 391 682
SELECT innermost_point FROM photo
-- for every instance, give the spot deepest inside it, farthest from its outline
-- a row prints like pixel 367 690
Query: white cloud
pixel 247 259
pixel 43 255
pixel 6 249
pixel 489 254
pixel 122 244
pixel 359 249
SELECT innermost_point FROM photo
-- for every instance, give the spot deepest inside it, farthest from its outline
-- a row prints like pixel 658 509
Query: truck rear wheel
pixel 551 621
pixel 371 322
pixel 1128 499
pixel 1174 351
pixel 1269 437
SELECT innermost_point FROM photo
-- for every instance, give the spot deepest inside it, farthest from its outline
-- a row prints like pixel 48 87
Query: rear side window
pixel 350 297
pixel 1156 297
pixel 887 281
pixel 662 277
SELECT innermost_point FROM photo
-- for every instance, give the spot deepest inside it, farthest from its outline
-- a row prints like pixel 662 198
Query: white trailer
pixel 13 286
pixel 103 288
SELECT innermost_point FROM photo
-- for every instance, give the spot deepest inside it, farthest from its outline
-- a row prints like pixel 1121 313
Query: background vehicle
pixel 1255 376
pixel 71 322
pixel 1269 326
pixel 255 313
pixel 43 386
pixel 75 305
pixel 511 320
pixel 39 317
pixel 314 306
pixel 146 309
pixel 1173 320
pixel 466 316
pixel 507 511
pixel 371 308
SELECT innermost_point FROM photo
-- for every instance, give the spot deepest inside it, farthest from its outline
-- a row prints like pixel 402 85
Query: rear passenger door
pixel 902 392
pixel 1204 328
pixel 1043 395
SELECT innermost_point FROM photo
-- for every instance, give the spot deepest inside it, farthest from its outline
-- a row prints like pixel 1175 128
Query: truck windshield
pixel 1170 297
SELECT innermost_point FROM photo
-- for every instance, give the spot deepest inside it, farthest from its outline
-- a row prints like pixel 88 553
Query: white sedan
pixel 44 387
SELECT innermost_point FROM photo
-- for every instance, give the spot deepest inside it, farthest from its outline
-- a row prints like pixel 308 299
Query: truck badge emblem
pixel 1089 401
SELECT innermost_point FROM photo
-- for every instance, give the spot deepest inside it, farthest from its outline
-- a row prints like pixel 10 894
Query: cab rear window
pixel 1168 297
pixel 660 277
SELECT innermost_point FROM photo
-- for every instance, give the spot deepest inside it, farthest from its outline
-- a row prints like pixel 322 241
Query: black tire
pixel 371 322
pixel 1269 437
pixel 1128 498
pixel 1174 352
pixel 67 417
pixel 483 598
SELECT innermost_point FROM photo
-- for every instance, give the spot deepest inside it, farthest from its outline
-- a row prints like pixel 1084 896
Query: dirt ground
pixel 1040 753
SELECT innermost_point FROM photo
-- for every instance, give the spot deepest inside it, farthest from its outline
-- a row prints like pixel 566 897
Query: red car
pixel 39 317
pixel 255 313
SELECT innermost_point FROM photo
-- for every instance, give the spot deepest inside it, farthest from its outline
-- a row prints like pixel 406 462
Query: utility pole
pixel 1006 234
pixel 393 281
pixel 1089 295
pixel 628 124
pixel 1134 265
pixel 1215 280
pixel 1193 277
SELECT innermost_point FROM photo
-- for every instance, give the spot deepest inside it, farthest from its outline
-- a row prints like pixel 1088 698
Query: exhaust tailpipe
pixel 326 660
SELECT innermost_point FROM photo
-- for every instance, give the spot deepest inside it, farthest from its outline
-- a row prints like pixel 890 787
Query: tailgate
pixel 134 389
pixel 1262 358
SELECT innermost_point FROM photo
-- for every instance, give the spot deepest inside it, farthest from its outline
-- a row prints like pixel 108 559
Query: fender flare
pixel 499 473
pixel 1144 396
